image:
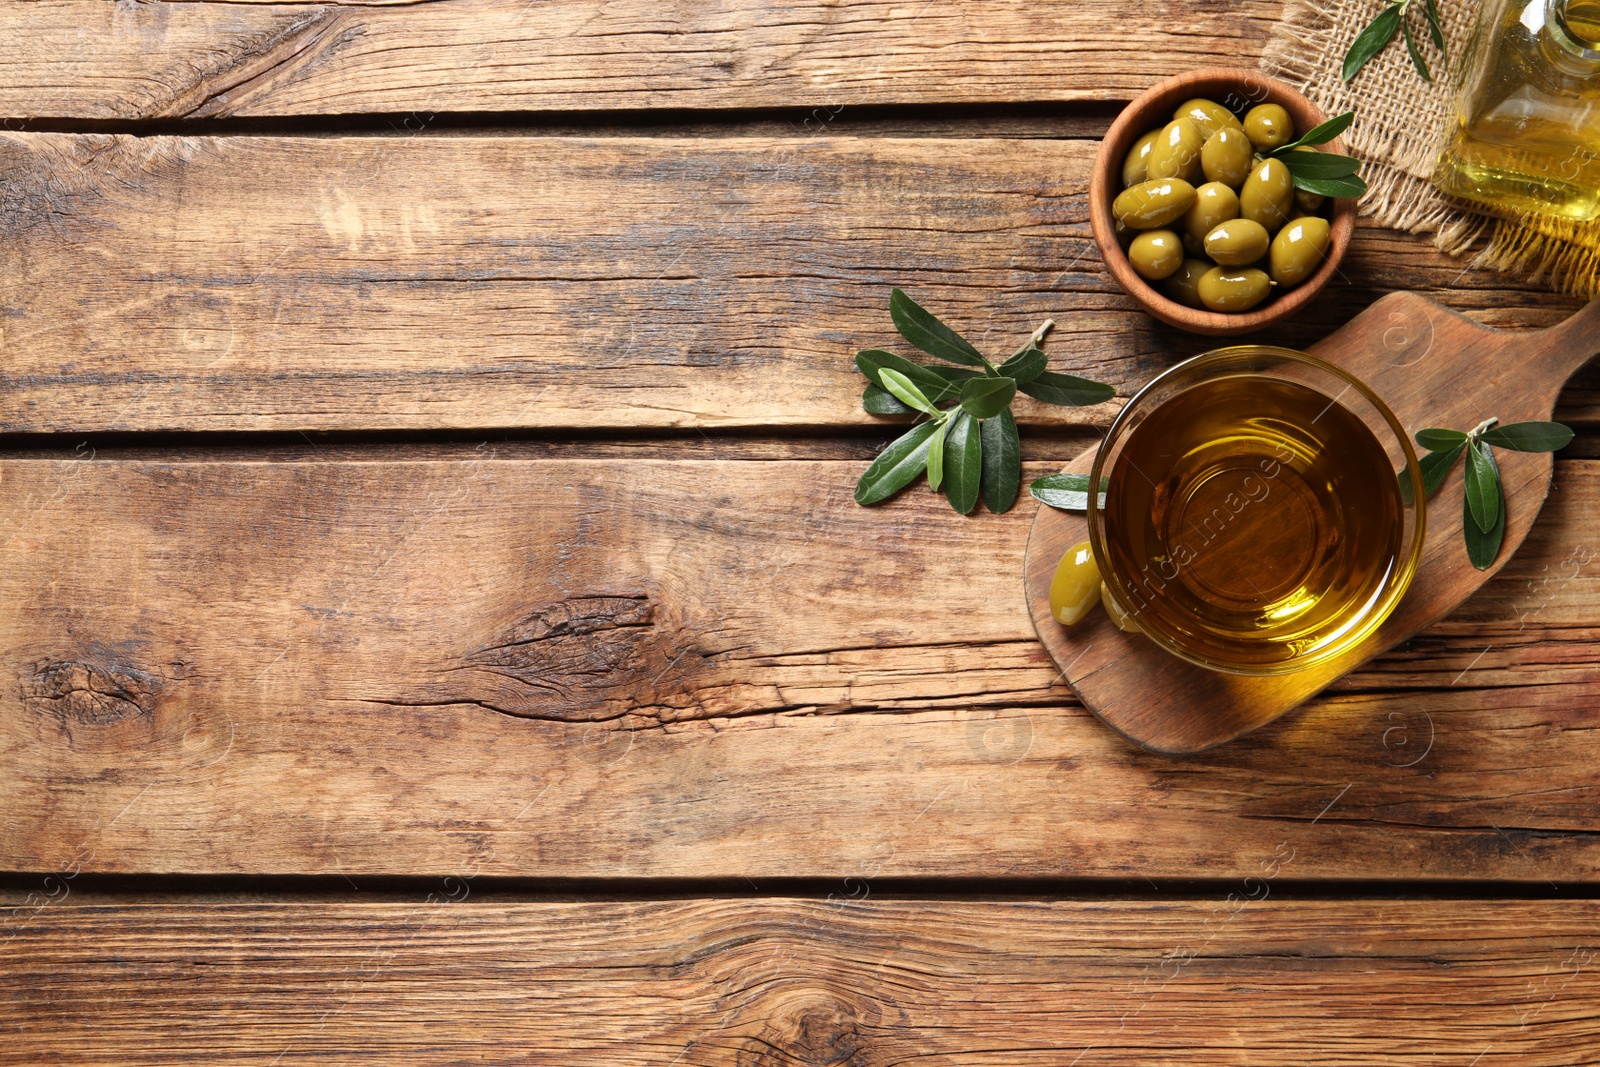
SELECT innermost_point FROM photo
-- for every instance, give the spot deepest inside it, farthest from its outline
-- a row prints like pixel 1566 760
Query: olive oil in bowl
pixel 1253 522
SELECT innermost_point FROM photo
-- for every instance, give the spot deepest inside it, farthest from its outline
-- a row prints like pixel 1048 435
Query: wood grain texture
pixel 86 59
pixel 281 283
pixel 1433 368
pixel 622 668
pixel 759 983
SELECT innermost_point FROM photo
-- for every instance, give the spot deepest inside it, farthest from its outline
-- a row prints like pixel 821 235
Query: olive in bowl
pixel 1185 166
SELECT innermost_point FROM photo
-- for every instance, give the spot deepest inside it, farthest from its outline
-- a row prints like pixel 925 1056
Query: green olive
pixel 1133 168
pixel 1237 243
pixel 1153 203
pixel 1225 158
pixel 1268 194
pixel 1176 152
pixel 1308 201
pixel 1268 127
pixel 1222 289
pixel 1182 286
pixel 1213 203
pixel 1075 587
pixel 1298 250
pixel 1209 115
pixel 1192 248
pixel 1155 254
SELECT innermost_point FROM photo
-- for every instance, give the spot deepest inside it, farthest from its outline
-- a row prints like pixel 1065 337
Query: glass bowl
pixel 1263 511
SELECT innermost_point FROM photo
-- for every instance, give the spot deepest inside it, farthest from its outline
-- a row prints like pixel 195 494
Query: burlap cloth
pixel 1400 126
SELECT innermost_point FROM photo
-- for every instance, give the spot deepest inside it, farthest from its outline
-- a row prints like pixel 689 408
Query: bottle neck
pixel 1574 25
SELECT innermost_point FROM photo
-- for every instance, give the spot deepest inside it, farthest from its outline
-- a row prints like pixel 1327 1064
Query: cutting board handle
pixel 1563 349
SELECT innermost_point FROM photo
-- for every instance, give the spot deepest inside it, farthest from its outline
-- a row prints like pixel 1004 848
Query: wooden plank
pixel 92 60
pixel 282 283
pixel 631 668
pixel 763 981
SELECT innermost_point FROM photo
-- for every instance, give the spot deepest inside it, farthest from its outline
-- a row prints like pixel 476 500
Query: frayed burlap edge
pixel 1564 255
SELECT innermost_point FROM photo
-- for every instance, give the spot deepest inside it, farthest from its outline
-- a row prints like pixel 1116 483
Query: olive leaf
pixel 879 401
pixel 1483 487
pixel 963 460
pixel 1529 436
pixel 1321 133
pixel 924 330
pixel 1484 545
pixel 1067 492
pixel 1435 30
pixel 1026 365
pixel 1371 40
pixel 1436 466
pixel 1067 390
pixel 936 456
pixel 1002 462
pixel 984 398
pixel 1437 440
pixel 905 390
pixel 1353 185
pixel 971 448
pixel 1411 50
pixel 1314 164
pixel 897 466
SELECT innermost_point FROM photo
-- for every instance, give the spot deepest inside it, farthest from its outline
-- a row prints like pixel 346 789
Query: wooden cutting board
pixel 1434 367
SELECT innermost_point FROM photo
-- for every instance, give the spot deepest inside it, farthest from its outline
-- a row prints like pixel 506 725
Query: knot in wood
pixel 88 692
pixel 582 658
pixel 812 1030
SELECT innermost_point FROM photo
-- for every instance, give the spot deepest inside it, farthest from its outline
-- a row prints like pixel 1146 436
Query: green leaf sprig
pixel 972 447
pixel 1483 509
pixel 1067 492
pixel 1326 173
pixel 1377 34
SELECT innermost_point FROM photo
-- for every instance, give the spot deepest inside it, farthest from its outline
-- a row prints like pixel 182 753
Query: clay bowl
pixel 1239 90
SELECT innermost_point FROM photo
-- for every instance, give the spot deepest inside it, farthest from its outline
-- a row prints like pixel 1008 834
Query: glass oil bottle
pixel 1525 136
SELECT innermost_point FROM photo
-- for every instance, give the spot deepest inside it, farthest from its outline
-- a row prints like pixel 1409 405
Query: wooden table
pixel 438 630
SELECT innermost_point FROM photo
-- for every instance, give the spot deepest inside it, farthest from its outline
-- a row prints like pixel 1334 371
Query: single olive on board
pixel 1233 288
pixel 1226 157
pixel 1214 203
pixel 1176 152
pixel 1184 284
pixel 1209 115
pixel 1075 587
pixel 1268 127
pixel 1298 250
pixel 1152 203
pixel 1155 254
pixel 1237 242
pixel 1134 167
pixel 1268 194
